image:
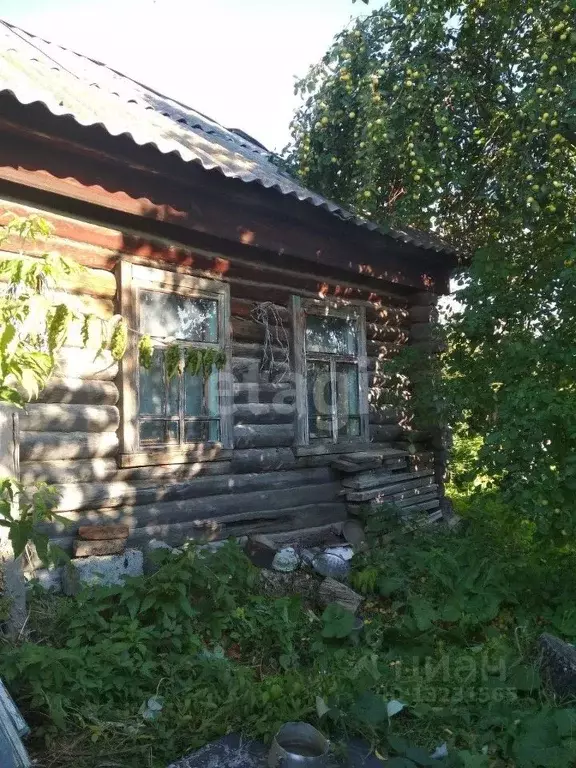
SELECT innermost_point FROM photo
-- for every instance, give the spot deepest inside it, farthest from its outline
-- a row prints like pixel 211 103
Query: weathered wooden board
pixel 388 493
pixel 53 417
pixel 380 478
pixel 83 391
pixel 248 505
pixel 323 516
pixel 76 496
pixel 54 446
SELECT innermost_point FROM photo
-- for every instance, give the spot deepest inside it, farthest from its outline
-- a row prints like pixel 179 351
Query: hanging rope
pixel 276 343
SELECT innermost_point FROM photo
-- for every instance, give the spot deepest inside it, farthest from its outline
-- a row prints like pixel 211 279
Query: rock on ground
pixel 558 664
pixel 107 570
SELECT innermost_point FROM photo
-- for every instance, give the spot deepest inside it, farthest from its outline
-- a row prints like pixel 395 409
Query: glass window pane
pixel 331 334
pixel 171 315
pixel 152 388
pixel 319 399
pixel 201 396
pixel 158 431
pixel 347 399
pixel 202 430
pixel 158 397
pixel 194 395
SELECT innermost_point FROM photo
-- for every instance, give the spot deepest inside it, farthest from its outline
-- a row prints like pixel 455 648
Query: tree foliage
pixel 35 321
pixel 461 117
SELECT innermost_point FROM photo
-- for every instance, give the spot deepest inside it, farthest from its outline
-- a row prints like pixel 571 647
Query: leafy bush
pixel 171 661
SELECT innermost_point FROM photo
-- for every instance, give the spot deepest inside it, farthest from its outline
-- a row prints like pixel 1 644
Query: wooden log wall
pixel 70 438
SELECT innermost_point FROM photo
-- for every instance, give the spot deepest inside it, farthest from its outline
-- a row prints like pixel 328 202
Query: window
pixel 187 412
pixel 330 366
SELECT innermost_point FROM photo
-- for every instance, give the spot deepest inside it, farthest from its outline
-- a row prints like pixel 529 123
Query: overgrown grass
pixel 140 676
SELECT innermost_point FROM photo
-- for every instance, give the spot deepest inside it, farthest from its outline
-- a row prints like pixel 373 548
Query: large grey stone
pixel 286 560
pixel 102 571
pixel 558 664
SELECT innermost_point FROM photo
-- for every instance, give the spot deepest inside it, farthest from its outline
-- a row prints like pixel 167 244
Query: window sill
pixel 191 454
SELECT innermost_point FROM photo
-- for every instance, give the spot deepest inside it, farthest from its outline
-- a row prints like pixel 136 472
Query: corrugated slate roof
pixel 67 83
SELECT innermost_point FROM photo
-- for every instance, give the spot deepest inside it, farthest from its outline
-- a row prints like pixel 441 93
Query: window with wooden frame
pixel 331 372
pixel 187 415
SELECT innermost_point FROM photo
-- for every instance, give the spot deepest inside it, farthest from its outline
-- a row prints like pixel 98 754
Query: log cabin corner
pixel 193 234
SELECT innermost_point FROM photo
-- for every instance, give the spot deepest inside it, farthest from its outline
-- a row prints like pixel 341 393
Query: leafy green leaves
pixel 460 120
pixel 22 509
pixel 337 621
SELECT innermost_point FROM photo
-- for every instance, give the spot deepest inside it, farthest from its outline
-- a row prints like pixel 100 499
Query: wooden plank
pixel 406 498
pixel 389 492
pixel 322 515
pixel 54 446
pixel 263 435
pixel 264 413
pixel 52 417
pixel 83 391
pixel 101 495
pixel 381 478
pixel 243 506
pixel 325 535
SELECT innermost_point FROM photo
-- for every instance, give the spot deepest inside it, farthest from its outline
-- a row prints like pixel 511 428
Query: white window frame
pixel 300 308
pixel 134 278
